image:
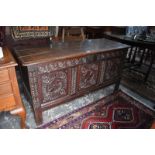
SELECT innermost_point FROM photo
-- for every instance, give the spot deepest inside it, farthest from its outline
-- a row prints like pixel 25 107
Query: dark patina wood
pixel 53 76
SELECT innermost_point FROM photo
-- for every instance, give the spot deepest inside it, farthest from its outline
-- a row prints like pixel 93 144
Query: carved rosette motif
pixel 112 69
pixel 88 75
pixel 54 85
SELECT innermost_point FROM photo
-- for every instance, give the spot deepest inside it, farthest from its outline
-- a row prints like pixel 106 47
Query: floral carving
pixel 112 69
pixel 54 85
pixel 88 75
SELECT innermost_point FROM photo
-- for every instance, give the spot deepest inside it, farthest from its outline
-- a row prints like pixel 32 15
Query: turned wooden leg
pixel 22 114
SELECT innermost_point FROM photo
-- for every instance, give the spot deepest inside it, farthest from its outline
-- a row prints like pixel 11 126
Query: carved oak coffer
pixel 55 75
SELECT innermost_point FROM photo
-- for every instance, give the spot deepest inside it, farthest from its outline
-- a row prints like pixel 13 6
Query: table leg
pixel 134 55
pixel 130 54
pixel 38 116
pixel 150 66
pixel 142 57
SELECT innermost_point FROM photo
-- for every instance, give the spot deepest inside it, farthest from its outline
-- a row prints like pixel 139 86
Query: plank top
pixel 64 50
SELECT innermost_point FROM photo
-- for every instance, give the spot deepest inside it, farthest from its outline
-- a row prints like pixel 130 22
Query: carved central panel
pixel 88 75
pixel 54 85
pixel 112 69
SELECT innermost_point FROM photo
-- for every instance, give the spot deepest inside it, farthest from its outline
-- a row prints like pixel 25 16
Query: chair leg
pixel 150 66
pixel 63 34
pixel 142 57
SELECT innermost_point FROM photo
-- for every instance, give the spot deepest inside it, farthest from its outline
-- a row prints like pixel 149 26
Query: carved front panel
pixel 54 85
pixel 88 75
pixel 112 69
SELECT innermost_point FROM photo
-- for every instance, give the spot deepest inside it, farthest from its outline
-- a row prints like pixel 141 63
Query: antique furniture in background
pixel 70 33
pixel 53 76
pixel 145 49
pixel 121 30
pixel 30 35
pixel 29 32
pixel 96 32
pixel 10 99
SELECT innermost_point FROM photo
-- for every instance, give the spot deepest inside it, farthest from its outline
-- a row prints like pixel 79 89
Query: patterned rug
pixel 116 111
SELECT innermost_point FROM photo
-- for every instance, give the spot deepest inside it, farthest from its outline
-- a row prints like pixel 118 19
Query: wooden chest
pixel 55 75
pixel 9 92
